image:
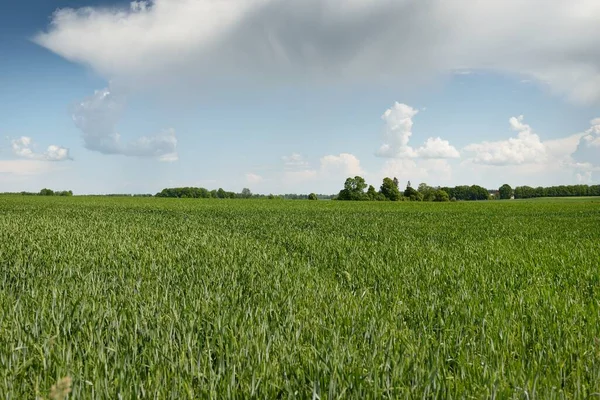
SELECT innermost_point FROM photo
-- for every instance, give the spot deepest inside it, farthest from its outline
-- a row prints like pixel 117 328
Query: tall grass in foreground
pixel 170 299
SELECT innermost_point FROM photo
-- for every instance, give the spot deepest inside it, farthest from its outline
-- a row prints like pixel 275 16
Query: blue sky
pixel 295 96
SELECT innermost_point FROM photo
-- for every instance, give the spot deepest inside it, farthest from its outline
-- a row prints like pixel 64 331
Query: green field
pixel 175 299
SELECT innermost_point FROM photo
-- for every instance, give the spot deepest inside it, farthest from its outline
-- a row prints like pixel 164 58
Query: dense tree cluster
pixel 473 192
pixel 196 193
pixel 527 192
pixel 50 192
pixel 354 189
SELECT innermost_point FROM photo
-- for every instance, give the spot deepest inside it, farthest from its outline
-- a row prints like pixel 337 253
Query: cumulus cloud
pixel 25 147
pixel 527 156
pixel 573 151
pixel 438 148
pixel 266 40
pixel 587 153
pixel 526 148
pixel 592 135
pixel 398 130
pixel 584 177
pixel 97 117
pixel 343 164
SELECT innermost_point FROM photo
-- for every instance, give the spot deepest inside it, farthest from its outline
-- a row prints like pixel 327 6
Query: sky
pixel 105 96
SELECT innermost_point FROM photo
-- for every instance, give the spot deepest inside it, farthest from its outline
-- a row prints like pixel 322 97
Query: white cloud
pixel 562 148
pixel 530 160
pixel 529 148
pixel 185 41
pixel 592 135
pixel 24 147
pixel 343 164
pixel 97 118
pixel 438 148
pixel 397 133
pixel 526 148
pixel 584 177
pixel 253 178
pixel 586 157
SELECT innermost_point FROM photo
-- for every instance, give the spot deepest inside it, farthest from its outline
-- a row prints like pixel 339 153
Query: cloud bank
pixel 526 148
pixel 189 41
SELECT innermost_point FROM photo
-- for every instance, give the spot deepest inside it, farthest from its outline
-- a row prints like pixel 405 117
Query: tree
pixel 357 184
pixel 477 192
pixel 441 196
pixel 506 191
pixel 246 193
pixel 371 193
pixel 313 196
pixel 390 190
pixel 353 189
pixel 426 191
pixel 46 192
pixel 412 194
pixel 396 182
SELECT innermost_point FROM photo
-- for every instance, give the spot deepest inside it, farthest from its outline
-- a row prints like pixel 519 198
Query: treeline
pixel 528 192
pixel 43 192
pixel 202 193
pixel 473 192
pixel 50 192
pixel 354 189
pixel 196 193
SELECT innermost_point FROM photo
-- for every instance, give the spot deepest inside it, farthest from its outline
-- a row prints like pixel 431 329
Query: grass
pixel 170 299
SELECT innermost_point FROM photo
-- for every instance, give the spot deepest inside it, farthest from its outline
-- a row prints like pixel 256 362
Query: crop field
pixel 176 299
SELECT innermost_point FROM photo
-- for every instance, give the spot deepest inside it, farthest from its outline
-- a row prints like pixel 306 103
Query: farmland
pixel 187 298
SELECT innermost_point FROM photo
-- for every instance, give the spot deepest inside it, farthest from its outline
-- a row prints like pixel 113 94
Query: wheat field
pixel 184 299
